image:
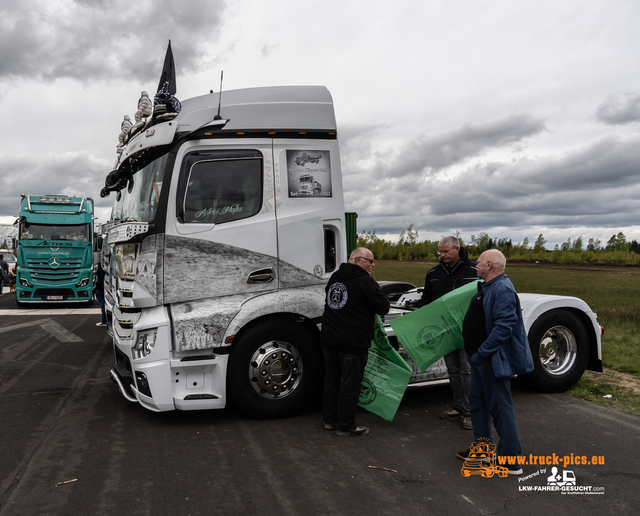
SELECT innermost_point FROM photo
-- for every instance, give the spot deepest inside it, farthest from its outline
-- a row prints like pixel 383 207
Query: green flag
pixel 434 330
pixel 386 376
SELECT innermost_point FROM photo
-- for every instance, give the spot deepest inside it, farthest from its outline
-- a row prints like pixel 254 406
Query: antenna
pixel 218 117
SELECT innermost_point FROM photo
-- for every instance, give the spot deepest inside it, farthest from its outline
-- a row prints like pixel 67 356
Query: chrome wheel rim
pixel 558 350
pixel 275 369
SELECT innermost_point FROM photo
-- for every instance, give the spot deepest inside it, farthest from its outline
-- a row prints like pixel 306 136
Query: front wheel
pixel 274 369
pixel 560 348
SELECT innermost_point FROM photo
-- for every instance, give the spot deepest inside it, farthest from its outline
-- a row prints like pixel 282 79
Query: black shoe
pixel 357 431
pixel 451 415
pixel 329 426
pixel 464 455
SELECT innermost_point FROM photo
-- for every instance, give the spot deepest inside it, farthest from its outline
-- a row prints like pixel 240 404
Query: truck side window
pixel 329 250
pixel 222 190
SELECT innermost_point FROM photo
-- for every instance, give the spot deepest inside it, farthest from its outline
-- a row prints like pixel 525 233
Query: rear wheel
pixel 274 370
pixel 560 348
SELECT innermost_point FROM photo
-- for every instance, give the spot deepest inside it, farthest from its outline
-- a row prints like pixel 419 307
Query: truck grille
pixel 66 272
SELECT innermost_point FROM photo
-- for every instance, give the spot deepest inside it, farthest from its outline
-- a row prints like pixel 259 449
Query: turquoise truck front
pixel 55 250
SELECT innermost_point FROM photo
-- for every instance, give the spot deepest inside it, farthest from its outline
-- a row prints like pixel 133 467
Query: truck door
pixel 309 210
pixel 221 240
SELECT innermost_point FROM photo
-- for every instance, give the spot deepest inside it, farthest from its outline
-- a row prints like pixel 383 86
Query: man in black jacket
pixel 352 300
pixel 454 270
pixel 4 272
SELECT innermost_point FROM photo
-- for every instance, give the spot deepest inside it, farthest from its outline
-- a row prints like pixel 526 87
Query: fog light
pixel 142 383
pixel 145 342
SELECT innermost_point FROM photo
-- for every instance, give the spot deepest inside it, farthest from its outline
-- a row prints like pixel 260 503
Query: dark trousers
pixel 342 381
pixel 490 400
pixel 459 379
pixel 100 299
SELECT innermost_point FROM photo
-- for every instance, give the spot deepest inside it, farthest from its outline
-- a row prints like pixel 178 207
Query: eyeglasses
pixel 363 258
pixel 441 251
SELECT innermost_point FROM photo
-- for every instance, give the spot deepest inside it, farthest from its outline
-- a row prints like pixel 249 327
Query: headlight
pixel 83 283
pixel 145 342
pixel 24 282
pixel 125 260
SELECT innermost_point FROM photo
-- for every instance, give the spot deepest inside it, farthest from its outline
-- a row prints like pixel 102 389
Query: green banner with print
pixel 434 330
pixel 386 376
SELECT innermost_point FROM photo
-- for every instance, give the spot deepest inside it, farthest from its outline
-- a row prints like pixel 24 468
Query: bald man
pixel 352 301
pixel 495 341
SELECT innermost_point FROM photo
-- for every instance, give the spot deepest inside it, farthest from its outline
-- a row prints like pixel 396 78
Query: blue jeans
pixel 342 383
pixel 490 400
pixel 100 300
pixel 459 379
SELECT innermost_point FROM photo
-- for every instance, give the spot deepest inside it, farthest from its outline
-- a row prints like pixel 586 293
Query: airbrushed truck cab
pixel 216 265
pixel 55 250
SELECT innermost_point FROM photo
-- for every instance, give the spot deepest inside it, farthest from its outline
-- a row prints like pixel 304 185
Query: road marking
pixel 53 328
pixel 50 311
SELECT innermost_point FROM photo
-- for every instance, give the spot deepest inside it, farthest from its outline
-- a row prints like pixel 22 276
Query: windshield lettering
pixel 232 209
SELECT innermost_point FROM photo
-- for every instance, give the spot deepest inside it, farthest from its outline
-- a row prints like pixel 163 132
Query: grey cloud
pixel 73 173
pixel 428 155
pixel 472 140
pixel 109 40
pixel 620 109
pixel 267 49
pixel 595 186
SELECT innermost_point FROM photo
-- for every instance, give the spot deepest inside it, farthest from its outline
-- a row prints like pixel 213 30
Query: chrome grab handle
pixel 261 276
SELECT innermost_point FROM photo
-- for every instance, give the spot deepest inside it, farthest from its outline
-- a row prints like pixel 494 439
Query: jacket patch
pixel 337 296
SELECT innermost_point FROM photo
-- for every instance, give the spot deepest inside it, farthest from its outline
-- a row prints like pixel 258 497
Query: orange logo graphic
pixel 482 460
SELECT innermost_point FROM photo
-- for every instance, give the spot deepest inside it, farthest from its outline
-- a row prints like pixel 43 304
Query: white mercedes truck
pixel 217 262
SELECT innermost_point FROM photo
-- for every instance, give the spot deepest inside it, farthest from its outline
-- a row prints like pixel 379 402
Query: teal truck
pixel 55 250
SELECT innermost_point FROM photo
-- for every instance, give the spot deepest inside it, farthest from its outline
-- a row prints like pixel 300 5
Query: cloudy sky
pixel 510 117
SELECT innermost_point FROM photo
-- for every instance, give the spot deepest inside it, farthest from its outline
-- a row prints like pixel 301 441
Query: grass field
pixel 613 293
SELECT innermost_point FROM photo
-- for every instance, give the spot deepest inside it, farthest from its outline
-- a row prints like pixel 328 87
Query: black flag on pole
pixel 168 73
pixel 165 104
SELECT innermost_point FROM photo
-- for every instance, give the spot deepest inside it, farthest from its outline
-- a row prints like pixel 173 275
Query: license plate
pixel 55 298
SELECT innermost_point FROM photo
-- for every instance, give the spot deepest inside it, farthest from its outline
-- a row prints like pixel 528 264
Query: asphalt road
pixel 62 420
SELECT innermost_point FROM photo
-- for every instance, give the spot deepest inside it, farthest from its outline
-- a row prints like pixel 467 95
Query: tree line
pixel 617 250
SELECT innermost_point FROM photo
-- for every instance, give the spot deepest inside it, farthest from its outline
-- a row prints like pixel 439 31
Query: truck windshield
pixel 139 202
pixel 76 232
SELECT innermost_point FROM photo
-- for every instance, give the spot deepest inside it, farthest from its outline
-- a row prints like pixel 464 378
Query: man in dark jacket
pixel 4 272
pixel 352 300
pixel 454 270
pixel 99 291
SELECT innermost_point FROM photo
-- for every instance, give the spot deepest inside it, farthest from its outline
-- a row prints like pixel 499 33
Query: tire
pixel 267 392
pixel 560 348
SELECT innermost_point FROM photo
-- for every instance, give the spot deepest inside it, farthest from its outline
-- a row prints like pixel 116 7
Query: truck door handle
pixel 261 276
